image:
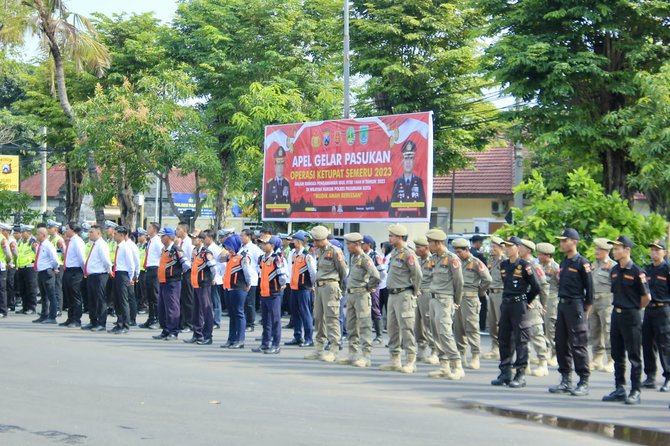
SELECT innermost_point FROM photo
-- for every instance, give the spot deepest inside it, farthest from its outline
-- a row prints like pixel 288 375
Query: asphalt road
pixel 72 387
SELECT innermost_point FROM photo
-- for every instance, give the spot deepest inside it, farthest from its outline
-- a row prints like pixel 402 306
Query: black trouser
pixel 572 337
pixel 140 291
pixel 186 301
pixel 151 293
pixel 383 303
pixel 109 294
pixel 626 338
pixel 27 281
pixel 132 303
pixel 250 307
pixel 58 283
pixel 11 288
pixel 656 339
pixel 121 306
pixel 72 278
pixel 46 280
pixel 97 300
pixel 513 334
pixel 3 292
pixel 484 306
pixel 84 295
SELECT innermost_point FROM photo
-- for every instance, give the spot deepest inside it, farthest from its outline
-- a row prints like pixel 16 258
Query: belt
pixel 496 290
pixel 31 266
pixel 325 281
pixel 438 296
pixel 513 299
pixel 569 300
pixel 400 290
pixel 151 267
pixel 657 304
pixel 471 294
pixel 361 289
pixel 619 310
pixel 72 268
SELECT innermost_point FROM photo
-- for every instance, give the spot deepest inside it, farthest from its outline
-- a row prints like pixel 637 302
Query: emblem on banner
pixel 364 134
pixel 338 138
pixel 326 137
pixel 351 136
pixel 316 141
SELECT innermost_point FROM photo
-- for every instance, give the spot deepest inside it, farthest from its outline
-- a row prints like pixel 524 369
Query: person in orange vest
pixel 236 282
pixel 272 282
pixel 203 270
pixel 302 277
pixel 172 264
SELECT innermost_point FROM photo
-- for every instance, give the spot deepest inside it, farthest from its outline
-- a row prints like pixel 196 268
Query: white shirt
pixel 135 252
pixel 124 260
pixel 186 245
pixel 75 253
pixel 47 257
pixel 216 252
pixel 154 249
pixel 309 259
pixel 98 261
pixel 254 253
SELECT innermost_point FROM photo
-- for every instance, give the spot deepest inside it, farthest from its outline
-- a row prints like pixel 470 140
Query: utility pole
pixel 347 87
pixel 43 194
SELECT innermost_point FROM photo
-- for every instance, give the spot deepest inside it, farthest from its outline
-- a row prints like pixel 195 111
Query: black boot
pixel 377 325
pixel 619 394
pixel 503 379
pixel 564 387
pixel 582 388
pixel 649 383
pixel 519 379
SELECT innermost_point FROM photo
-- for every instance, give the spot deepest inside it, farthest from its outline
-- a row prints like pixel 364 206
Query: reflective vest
pixel 269 280
pixel 201 274
pixel 26 251
pixel 300 278
pixel 143 256
pixel 170 269
pixel 57 240
pixel 3 256
pixel 234 278
pixel 87 247
pixel 112 250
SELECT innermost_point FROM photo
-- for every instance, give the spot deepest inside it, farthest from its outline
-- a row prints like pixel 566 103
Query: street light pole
pixel 347 87
pixel 43 157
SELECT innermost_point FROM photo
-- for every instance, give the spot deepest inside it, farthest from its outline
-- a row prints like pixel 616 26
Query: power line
pixel 35 149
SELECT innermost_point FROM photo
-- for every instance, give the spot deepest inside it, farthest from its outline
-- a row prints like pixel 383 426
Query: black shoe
pixel 649 383
pixel 207 341
pixel 565 385
pixel 519 380
pixel 307 344
pixel 582 388
pixel 272 350
pixel 171 337
pixel 633 398
pixel 236 346
pixel 503 379
pixel 99 328
pixel 327 347
pixel 64 324
pixel 249 329
pixel 133 324
pixel 618 395
pixel 259 349
pixel 115 330
pixel 50 321
pixel 192 340
pixel 666 386
pixel 227 344
pixel 39 320
pixel 297 342
pixel 160 337
pixel 88 327
pixel 74 325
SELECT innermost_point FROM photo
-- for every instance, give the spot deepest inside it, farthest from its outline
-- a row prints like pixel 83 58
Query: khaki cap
pixel 546 248
pixel 528 244
pixel 602 243
pixel 353 237
pixel 497 240
pixel 399 230
pixel 460 243
pixel 421 240
pixel 320 232
pixel 436 234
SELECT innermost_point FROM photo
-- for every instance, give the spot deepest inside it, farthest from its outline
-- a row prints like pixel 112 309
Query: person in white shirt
pixel 134 281
pixel 151 262
pixel 124 272
pixel 183 240
pixel 96 271
pixel 46 265
pixel 301 280
pixel 216 250
pixel 73 274
pixel 254 252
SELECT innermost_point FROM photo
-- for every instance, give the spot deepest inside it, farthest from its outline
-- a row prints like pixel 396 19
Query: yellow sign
pixel 9 172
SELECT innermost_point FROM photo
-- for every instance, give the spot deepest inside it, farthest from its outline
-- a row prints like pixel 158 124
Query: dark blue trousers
pixel 271 312
pixel 168 307
pixel 203 317
pixel 301 308
pixel 235 300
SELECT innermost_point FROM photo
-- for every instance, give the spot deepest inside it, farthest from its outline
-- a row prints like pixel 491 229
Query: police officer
pixel 330 273
pixel 424 337
pixel 6 260
pixel 495 295
pixel 203 270
pixel 545 254
pixel 151 263
pixel 446 290
pixel 408 198
pixel 519 290
pixel 73 264
pixel 96 271
pixel 53 229
pixel 599 319
pixel 140 285
pixel 476 281
pixel 362 279
pixel 26 275
pixel 380 264
pixel 186 298
pixel 631 294
pixel 656 322
pixel 110 230
pixel 278 189
pixel 404 283
pixel 302 278
pixel 46 266
pixel 11 266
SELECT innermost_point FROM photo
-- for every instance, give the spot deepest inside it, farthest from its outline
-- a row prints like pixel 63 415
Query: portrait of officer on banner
pixel 408 198
pixel 278 189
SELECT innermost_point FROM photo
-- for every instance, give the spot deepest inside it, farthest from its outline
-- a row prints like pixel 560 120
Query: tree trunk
pixel 128 207
pixel 73 196
pixel 615 171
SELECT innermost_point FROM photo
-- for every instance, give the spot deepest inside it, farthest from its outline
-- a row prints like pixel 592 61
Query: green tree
pixel 574 62
pixel 587 208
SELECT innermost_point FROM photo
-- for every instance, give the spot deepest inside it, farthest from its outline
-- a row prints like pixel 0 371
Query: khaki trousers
pixel 400 325
pixel 599 323
pixel 327 316
pixel 441 319
pixel 466 326
pixel 422 328
pixel 359 322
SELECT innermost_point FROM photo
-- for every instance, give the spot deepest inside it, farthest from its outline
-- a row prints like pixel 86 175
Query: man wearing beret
pixel 495 295
pixel 545 254
pixel 379 262
pixel 403 283
pixel 599 319
pixel 422 328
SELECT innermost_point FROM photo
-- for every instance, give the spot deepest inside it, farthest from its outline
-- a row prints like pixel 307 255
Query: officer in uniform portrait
pixel 278 189
pixel 408 189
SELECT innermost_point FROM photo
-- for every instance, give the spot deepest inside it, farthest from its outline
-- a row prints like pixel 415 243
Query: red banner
pixel 366 169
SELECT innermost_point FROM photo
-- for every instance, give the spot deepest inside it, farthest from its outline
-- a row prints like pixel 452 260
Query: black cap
pixel 569 233
pixel 476 238
pixel 622 240
pixel 514 240
pixel 660 244
pixel 122 230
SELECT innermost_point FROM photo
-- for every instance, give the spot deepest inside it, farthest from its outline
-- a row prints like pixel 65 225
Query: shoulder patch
pixel 410 260
pixel 340 257
pixel 455 263
pixel 587 267
pixel 643 278
pixel 529 269
pixel 539 271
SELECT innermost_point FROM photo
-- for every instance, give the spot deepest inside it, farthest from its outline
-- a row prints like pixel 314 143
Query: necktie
pixel 88 257
pixel 146 255
pixel 37 257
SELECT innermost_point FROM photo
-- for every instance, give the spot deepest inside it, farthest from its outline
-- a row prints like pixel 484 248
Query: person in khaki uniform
pixel 476 280
pixel 403 283
pixel 537 338
pixel 495 295
pixel 545 254
pixel 424 336
pixel 330 272
pixel 446 289
pixel 363 278
pixel 599 319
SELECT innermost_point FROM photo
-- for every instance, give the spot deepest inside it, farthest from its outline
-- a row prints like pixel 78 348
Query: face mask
pixel 291 245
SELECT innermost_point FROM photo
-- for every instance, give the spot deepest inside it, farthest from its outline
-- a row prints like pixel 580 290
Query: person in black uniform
pixel 631 294
pixel 408 198
pixel 520 288
pixel 476 243
pixel 278 189
pixel 656 321
pixel 575 297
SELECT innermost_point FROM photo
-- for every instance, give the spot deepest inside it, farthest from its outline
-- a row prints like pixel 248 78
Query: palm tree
pixel 63 35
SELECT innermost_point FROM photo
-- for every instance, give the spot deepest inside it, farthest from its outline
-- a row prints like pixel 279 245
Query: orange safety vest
pixel 234 277
pixel 200 274
pixel 300 278
pixel 269 280
pixel 169 269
